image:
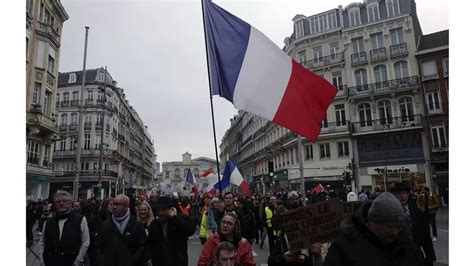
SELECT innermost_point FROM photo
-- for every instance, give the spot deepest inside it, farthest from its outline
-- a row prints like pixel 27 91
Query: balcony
pixel 65 153
pixel 36 118
pixel 62 128
pixel 335 127
pixel 398 50
pixel 87 125
pixel 74 103
pixel 48 31
pixel 71 173
pixel 324 61
pixel 341 90
pixel 384 86
pixel 430 76
pixel 100 101
pixel 89 102
pixel 65 104
pixel 378 54
pixel 73 127
pixel 98 126
pixel 388 124
pixel 358 59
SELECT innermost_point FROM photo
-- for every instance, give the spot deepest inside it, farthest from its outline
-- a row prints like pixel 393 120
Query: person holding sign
pixel 375 235
pixel 228 230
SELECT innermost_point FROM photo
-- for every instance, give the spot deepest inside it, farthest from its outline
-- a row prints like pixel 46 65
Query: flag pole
pixel 210 95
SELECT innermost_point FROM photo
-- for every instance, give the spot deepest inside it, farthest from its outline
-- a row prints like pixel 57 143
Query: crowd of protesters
pixel 391 228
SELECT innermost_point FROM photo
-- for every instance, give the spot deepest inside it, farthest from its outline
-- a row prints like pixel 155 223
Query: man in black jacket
pixel 376 235
pixel 417 220
pixel 65 237
pixel 167 243
pixel 121 240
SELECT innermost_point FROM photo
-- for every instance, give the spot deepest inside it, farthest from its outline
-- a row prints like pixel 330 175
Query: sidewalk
pixel 442 246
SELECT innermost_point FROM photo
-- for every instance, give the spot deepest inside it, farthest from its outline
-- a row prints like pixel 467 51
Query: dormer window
pixel 354 18
pixel 101 77
pixel 373 13
pixel 72 78
pixel 393 8
pixel 299 29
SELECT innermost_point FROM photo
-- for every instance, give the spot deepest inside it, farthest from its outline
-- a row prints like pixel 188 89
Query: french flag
pixel 190 179
pixel 232 176
pixel 250 71
pixel 212 179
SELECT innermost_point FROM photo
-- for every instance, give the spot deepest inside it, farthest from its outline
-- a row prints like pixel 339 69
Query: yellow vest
pixel 204 229
pixel 268 215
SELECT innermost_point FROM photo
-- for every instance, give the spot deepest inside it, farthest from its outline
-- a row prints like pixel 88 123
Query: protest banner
pixel 317 222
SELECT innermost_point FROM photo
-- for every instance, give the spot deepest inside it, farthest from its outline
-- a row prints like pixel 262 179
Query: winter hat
pixel 293 194
pixel 386 208
pixel 352 196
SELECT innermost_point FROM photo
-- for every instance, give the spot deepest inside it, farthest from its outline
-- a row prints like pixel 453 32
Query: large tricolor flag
pixel 212 180
pixel 192 181
pixel 232 176
pixel 250 71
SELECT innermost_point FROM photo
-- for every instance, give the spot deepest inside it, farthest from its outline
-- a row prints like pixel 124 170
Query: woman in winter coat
pixel 228 230
pixel 145 215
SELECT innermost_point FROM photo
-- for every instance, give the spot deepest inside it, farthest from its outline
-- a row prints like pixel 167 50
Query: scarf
pixel 63 215
pixel 121 222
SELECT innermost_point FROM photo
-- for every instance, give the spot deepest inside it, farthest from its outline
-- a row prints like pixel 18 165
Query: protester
pixel 121 240
pixel 229 230
pixel 280 254
pixel 77 206
pixel 351 196
pixel 31 217
pixel 429 204
pixel 208 223
pixel 417 221
pixel 268 223
pixel 225 254
pixel 375 235
pixel 258 220
pixel 184 206
pixel 145 215
pixel 167 243
pixel 65 237
pixel 246 219
pixel 363 196
pixel 95 224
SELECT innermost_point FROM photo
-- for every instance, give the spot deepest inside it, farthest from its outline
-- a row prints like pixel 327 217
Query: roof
pixel 434 40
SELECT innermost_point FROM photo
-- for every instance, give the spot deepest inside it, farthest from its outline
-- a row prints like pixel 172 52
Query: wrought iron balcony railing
pixel 324 61
pixel 384 86
pixel 358 59
pixel 378 54
pixel 87 125
pixel 387 123
pixel 339 126
pixel 398 50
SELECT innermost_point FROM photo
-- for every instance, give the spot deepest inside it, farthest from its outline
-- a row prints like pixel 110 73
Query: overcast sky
pixel 155 51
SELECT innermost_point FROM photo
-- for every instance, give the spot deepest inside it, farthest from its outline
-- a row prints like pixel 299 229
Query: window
pixel 100 118
pixel 301 56
pixel 373 13
pixel 337 79
pixel 340 115
pixel 88 119
pixel 323 23
pixel 308 152
pixel 365 115
pixel 314 25
pixel 73 118
pixel 101 76
pixel 360 77
pixel 176 173
pixel 73 143
pixel 29 6
pixel 63 119
pixel 45 15
pixel 58 98
pixel 385 112
pixel 27 47
pixel 334 48
pixel 446 66
pixel 46 102
pixel 396 36
pixel 439 137
pixel 72 78
pixel 90 95
pixel 406 109
pixel 87 141
pixel 392 8
pixel 46 156
pixel 377 40
pixel 317 53
pixel 299 29
pixel 75 96
pixel 354 18
pixel 324 151
pixel 324 123
pixel 50 64
pixel 357 45
pixel 62 145
pixel 429 69
pixel 401 69
pixel 332 19
pixel 33 152
pixel 434 105
pixel 380 73
pixel 97 141
pixel 36 93
pixel 343 149
pixel 66 97
pixel 85 166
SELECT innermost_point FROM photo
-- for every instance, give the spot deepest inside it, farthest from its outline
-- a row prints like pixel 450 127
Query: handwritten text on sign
pixel 314 223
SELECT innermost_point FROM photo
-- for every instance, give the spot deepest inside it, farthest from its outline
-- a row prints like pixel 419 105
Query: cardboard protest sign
pixel 317 222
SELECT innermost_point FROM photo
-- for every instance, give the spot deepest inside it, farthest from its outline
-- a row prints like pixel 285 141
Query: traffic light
pixel 270 169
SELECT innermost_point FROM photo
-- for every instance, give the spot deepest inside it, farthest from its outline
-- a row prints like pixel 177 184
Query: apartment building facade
pixel 433 62
pixel 44 22
pixel 128 149
pixel 374 129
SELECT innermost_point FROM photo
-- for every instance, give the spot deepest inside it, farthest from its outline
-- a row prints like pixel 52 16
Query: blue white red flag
pixel 190 179
pixel 253 73
pixel 232 176
pixel 211 180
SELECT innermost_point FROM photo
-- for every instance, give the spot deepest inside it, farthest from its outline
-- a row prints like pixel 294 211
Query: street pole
pixel 101 154
pixel 385 179
pixel 301 158
pixel 81 124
